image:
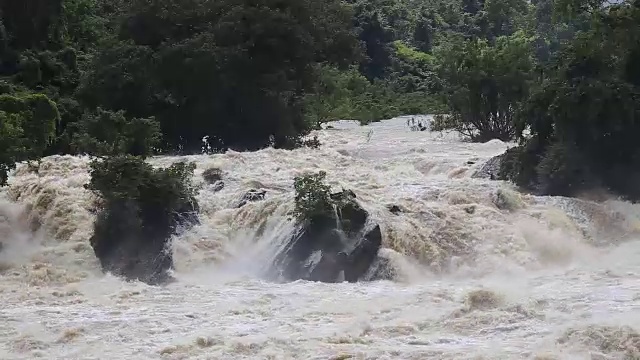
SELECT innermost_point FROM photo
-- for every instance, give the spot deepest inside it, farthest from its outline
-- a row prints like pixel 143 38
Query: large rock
pixel 126 248
pixel 329 246
pixel 490 169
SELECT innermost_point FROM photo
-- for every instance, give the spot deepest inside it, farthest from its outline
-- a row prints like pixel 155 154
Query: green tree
pixel 12 147
pixel 40 116
pixel 85 23
pixel 503 17
pixel 112 133
pixel 32 23
pixel 27 126
pixel 484 85
pixel 583 116
pixel 235 70
pixel 313 197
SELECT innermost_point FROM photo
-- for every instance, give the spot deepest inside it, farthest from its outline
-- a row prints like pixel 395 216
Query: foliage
pixel 139 77
pixel 106 132
pixel 245 75
pixel 11 144
pixel 502 17
pixel 411 54
pixel 156 197
pixel 562 171
pixel 84 22
pixel 584 113
pixel 348 95
pixel 519 163
pixel 39 115
pixel 140 208
pixel 27 126
pixel 313 197
pixel 157 190
pixel 484 84
pixel 208 69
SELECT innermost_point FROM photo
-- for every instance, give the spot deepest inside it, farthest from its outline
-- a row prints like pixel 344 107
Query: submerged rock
pixel 251 196
pixel 395 209
pixel 212 175
pixel 217 186
pixel 505 199
pixel 329 246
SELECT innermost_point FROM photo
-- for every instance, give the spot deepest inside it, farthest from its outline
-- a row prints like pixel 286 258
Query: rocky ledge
pixel 333 246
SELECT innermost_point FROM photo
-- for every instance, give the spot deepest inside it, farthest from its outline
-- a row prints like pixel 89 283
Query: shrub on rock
pixel 336 235
pixel 140 209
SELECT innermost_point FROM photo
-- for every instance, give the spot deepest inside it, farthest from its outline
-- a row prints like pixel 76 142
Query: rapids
pixel 484 272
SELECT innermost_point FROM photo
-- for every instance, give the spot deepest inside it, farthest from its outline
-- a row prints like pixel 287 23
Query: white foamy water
pixel 528 278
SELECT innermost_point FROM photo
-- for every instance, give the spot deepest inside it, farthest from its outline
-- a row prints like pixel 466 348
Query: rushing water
pixel 529 278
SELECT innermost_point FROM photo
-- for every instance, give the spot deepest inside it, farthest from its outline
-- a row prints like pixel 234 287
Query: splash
pixel 448 221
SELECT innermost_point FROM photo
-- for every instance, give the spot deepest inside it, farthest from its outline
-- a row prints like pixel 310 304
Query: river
pixel 484 272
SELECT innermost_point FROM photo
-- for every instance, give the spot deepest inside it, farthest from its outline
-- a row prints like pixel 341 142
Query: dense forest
pixel 144 77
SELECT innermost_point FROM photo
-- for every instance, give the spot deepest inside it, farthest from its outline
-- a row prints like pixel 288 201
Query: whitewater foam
pixel 484 272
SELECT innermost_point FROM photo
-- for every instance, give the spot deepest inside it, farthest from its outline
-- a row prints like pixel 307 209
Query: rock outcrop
pixel 139 209
pixel 126 248
pixel 490 169
pixel 345 242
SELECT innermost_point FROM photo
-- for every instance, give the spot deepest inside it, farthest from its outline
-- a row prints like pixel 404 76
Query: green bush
pixel 583 115
pixel 348 95
pixel 12 148
pixel 484 84
pixel 106 132
pixel 313 197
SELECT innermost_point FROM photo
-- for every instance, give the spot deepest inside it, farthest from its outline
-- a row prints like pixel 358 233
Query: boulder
pixel 127 249
pixel 329 246
pixel 139 209
pixel 251 196
pixel 490 169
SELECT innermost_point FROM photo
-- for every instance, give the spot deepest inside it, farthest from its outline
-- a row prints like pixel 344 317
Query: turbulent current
pixel 484 272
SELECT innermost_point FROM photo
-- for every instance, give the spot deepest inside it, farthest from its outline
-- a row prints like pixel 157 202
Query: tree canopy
pixel 147 77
